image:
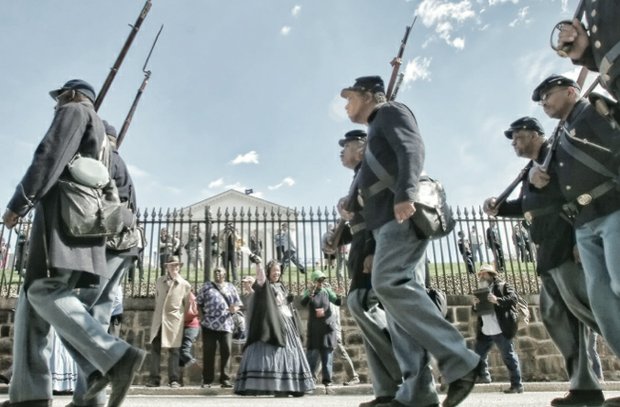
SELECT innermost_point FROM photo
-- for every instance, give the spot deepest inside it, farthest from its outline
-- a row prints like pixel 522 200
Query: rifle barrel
pixel 121 56
pixel 136 100
pixel 397 61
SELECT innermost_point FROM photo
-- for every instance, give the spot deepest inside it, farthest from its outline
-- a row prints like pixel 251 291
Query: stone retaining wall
pixel 540 359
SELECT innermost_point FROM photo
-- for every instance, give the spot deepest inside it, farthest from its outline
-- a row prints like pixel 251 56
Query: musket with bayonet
pixel 121 56
pixel 396 62
pixel 136 100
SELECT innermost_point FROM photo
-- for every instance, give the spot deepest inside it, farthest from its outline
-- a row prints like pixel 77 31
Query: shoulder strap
pixel 221 293
pixel 583 157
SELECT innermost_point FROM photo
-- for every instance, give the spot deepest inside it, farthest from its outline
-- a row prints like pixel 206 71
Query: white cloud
pixel 494 2
pixel 285 30
pixel 417 69
pixel 237 186
pixel 521 17
pixel 217 183
pixel 442 14
pixel 247 158
pixel 458 43
pixel 288 182
pixel 296 10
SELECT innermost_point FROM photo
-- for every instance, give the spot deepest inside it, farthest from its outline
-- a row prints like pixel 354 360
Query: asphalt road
pixel 482 399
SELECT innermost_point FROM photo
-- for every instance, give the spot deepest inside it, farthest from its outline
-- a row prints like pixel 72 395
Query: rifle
pixel 396 62
pixel 119 60
pixel 554 139
pixel 134 105
pixel 563 52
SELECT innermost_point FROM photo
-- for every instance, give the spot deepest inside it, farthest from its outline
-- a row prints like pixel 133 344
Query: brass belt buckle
pixel 584 199
pixel 528 216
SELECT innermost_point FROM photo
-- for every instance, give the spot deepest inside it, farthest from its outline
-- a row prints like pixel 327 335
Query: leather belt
pixel 587 198
pixel 535 213
pixel 571 209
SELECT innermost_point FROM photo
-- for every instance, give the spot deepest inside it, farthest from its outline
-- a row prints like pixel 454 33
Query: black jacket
pixel 505 309
pixel 604 15
pixel 574 177
pixel 395 141
pixel 552 233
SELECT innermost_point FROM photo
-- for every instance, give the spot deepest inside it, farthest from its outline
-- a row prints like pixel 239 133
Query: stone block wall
pixel 540 359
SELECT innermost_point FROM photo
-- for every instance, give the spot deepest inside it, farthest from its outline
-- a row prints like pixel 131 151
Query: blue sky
pixel 245 93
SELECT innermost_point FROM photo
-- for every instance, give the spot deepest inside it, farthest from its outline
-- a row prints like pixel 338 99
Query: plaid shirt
pixel 215 310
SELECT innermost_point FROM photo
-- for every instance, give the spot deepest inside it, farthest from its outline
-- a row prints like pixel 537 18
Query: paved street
pixel 539 395
pixel 527 399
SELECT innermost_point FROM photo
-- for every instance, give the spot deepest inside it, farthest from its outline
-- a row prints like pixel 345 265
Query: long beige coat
pixel 171 302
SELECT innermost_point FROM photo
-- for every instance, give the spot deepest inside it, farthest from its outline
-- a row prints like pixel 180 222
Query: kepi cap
pixel 550 82
pixel 352 135
pixel 109 129
pixel 524 123
pixel 78 85
pixel 371 84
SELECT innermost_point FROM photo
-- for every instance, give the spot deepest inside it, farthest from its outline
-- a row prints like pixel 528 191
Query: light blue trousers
pixel 54 301
pixel 416 326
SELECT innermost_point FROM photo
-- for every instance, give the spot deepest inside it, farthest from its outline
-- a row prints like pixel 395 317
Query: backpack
pixel 520 310
pixel 89 203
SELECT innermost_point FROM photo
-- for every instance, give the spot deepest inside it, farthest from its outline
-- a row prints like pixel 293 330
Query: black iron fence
pixel 224 238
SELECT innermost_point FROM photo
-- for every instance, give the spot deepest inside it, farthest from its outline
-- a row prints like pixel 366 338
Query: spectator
pixel 195 252
pixel 191 328
pixel 321 333
pixel 172 300
pixel 341 351
pixel 476 244
pixel 498 327
pixel 273 361
pixel 117 312
pixel 177 244
pixel 521 242
pixel 166 248
pixel 465 249
pixel 256 244
pixel 285 249
pixel 217 300
pixel 494 242
pixel 229 244
pixel 4 252
pixel 329 251
pixel 63 368
pixel 247 296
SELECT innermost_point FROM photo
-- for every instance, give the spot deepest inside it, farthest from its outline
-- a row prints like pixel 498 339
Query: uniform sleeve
pixel 402 134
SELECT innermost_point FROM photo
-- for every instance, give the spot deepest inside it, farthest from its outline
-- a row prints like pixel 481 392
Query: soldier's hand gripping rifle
pixel 553 141
pixel 134 105
pixel 565 49
pixel 396 63
pixel 121 56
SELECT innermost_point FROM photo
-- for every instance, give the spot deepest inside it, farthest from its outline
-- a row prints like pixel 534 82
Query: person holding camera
pixel 322 333
pixel 273 362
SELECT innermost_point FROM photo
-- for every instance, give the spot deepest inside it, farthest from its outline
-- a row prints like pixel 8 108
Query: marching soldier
pixel 563 297
pixel 585 165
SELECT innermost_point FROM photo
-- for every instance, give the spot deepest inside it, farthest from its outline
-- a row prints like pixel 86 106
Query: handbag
pixel 433 217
